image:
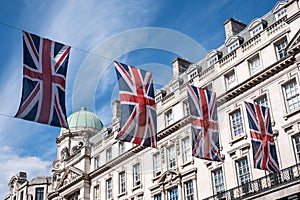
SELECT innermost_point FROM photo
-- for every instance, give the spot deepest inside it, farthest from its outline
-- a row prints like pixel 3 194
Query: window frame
pixel 189 190
pixel 136 174
pixel 229 81
pixel 172 160
pixel 39 193
pixel 233 125
pixel 173 196
pixel 244 174
pixel 108 188
pixel 96 192
pixel 108 154
pixel 255 68
pixel 186 149
pixel 156 164
pixel 296 96
pixel 169 118
pixel 262 100
pixel 122 182
pixel 280 48
pixel 219 176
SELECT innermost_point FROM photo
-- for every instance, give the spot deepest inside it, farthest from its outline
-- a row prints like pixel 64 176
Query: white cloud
pixel 11 164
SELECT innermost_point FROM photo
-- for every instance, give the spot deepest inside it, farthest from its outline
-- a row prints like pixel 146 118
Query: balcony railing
pixel 263 184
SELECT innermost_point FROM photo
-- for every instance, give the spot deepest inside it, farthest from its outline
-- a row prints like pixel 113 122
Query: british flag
pixel 44 78
pixel 262 137
pixel 204 123
pixel 138 112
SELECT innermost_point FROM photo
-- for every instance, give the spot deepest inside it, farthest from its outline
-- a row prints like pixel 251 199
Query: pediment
pixel 232 39
pixel 254 23
pixel 212 53
pixel 168 177
pixel 68 176
pixel 175 80
pixel 278 6
pixel 294 44
pixel 192 67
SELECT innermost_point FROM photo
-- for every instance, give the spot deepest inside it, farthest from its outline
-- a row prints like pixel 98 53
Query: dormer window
pixel 256 27
pixel 193 71
pixel 280 14
pixel 159 95
pixel 213 56
pixel 233 43
pixel 279 10
pixel 256 30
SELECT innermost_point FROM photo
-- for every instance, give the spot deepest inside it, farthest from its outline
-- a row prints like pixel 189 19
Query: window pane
pixel 172 157
pixel 173 194
pixel 39 193
pixel 136 175
pixel 187 153
pixel 189 191
pixel 281 49
pixel 156 164
pixel 218 180
pixel 109 189
pixel 255 65
pixel 262 101
pixel 237 123
pixel 122 182
pixel 292 95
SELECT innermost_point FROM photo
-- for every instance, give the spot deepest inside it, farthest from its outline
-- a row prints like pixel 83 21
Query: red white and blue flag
pixel 44 78
pixel 204 123
pixel 138 112
pixel 262 137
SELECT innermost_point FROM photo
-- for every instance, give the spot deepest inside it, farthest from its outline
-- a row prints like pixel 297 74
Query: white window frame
pixel 108 185
pixel 230 79
pixel 234 46
pixel 108 154
pixel 255 65
pixel 170 191
pixel 97 192
pixel 291 95
pixel 171 157
pixel 186 107
pixel 256 30
pixel 281 48
pixel 186 149
pixel 218 180
pixel 169 117
pixel 296 143
pixel 136 175
pixel 121 147
pixel 237 124
pixel 280 14
pixel 156 164
pixel 243 171
pixel 122 182
pixel 189 190
pixel 262 100
pixel 213 60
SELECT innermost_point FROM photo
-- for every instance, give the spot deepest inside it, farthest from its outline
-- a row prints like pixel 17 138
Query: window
pixel 186 147
pixel 281 48
pixel 230 80
pixel 292 95
pixel 236 123
pixel 186 108
pixel 234 46
pixel 121 147
pixel 297 147
pixel 218 181
pixel 97 162
pixel 108 155
pixel 173 194
pixel 262 101
pixel 254 65
pixel 97 192
pixel 169 118
pixel 22 195
pixel 213 60
pixel 39 193
pixel 109 189
pixel 157 197
pixel 122 182
pixel 156 164
pixel 280 14
pixel 244 174
pixel 171 157
pixel 136 175
pixel 189 191
pixel 256 30
pixel 193 74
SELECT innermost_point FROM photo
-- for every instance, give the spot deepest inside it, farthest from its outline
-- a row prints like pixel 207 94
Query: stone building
pixel 258 62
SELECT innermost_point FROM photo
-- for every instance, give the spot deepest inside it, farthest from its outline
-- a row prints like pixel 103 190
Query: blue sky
pixel 146 34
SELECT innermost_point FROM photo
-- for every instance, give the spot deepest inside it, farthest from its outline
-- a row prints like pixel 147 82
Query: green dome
pixel 84 118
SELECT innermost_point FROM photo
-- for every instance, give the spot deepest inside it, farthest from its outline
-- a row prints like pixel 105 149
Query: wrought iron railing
pixel 263 184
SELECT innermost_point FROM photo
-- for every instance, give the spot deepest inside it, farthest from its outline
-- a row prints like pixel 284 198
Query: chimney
pixel 233 27
pixel 116 110
pixel 180 65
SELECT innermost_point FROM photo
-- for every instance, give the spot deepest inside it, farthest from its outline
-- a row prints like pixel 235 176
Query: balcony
pixel 266 184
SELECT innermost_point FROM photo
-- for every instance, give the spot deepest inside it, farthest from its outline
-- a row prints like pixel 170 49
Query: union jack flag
pixel 262 137
pixel 44 77
pixel 204 123
pixel 138 112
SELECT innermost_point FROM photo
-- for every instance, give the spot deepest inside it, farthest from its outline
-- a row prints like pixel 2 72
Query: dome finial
pixel 83 108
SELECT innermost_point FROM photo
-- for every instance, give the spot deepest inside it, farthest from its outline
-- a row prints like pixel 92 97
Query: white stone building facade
pixel 258 62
